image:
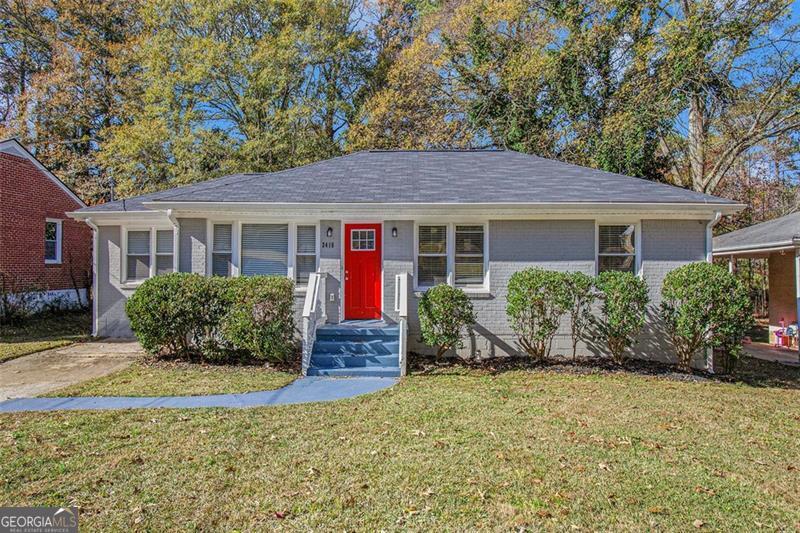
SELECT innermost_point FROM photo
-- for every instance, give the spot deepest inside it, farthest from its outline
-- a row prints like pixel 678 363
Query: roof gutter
pixel 162 204
pixel 764 248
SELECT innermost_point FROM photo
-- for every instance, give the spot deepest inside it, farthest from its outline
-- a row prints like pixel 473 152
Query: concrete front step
pixel 357 348
pixel 339 332
pixel 354 361
pixel 351 347
pixel 377 372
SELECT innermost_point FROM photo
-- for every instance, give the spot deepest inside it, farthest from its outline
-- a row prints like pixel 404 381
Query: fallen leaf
pixel 280 515
pixel 698 523
pixel 656 510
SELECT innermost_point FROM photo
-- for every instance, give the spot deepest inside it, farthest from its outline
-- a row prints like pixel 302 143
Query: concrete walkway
pixel 43 372
pixel 303 390
pixel 767 352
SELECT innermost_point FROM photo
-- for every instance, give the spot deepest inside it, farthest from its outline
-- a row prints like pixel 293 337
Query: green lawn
pixel 157 378
pixel 454 450
pixel 44 332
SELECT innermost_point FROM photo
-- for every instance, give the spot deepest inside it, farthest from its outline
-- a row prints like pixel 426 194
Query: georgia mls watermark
pixel 38 519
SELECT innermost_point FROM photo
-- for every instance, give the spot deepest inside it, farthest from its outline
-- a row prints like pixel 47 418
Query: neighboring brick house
pixel 41 249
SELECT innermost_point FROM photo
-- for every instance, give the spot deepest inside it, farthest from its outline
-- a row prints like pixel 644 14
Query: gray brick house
pixel 364 234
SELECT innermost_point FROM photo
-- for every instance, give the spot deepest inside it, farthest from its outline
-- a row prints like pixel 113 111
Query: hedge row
pixel 703 306
pixel 215 318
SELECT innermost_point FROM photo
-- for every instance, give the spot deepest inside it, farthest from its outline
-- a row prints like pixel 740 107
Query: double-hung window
pixel 165 248
pixel 451 253
pixel 265 249
pixel 148 252
pixel 52 241
pixel 431 255
pixel 222 250
pixel 616 247
pixel 306 253
pixel 138 255
pixel 469 255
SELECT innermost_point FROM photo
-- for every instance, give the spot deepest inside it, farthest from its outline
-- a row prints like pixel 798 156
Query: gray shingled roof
pixel 772 233
pixel 424 177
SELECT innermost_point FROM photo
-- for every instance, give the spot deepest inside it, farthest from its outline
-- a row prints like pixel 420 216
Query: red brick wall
pixel 27 197
pixel 782 302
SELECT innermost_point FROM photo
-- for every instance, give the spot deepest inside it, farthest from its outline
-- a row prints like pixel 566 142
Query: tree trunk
pixel 697 142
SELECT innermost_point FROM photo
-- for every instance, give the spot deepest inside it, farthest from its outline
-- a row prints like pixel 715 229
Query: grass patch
pixel 43 332
pixel 457 449
pixel 164 378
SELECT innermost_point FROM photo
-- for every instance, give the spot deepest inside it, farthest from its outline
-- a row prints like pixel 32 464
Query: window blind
pixel 138 243
pixel 138 260
pixel 265 249
pixel 306 258
pixel 469 255
pixel 223 237
pixel 617 239
pixel 164 241
pixel 221 258
pixel 433 239
pixel 616 248
pixel 306 240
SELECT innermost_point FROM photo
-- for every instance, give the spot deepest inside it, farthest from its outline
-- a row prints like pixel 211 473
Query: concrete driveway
pixel 39 373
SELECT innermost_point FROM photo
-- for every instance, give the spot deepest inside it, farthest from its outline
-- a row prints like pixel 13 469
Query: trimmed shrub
pixel 444 312
pixel 537 299
pixel 217 296
pixel 704 306
pixel 625 300
pixel 581 296
pixel 166 312
pixel 260 318
pixel 214 318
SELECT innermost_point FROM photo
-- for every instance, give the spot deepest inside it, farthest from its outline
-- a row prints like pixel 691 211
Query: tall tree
pixel 237 85
pixel 735 68
pixel 68 89
pixel 24 50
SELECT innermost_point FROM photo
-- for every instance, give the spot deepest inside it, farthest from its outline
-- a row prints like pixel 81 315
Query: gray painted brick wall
pixel 111 297
pixel 666 245
pixel 193 245
pixel 398 257
pixel 567 245
pixel 330 262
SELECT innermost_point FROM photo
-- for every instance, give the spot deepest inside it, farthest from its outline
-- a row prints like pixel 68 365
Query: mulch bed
pixel 751 371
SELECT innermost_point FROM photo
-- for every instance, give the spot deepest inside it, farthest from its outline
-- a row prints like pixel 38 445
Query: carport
pixel 777 241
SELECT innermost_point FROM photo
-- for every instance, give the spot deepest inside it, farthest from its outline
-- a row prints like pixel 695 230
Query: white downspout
pixel 175 236
pixel 95 241
pixel 710 236
pixel 710 259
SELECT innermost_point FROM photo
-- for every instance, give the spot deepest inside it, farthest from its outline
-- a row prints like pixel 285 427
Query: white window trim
pixel 210 223
pixel 292 251
pixel 451 256
pixel 156 254
pixel 127 283
pixel 59 240
pixel 637 241
pixel 317 247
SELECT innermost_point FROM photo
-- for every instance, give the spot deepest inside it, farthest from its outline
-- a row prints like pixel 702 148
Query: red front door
pixel 362 271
